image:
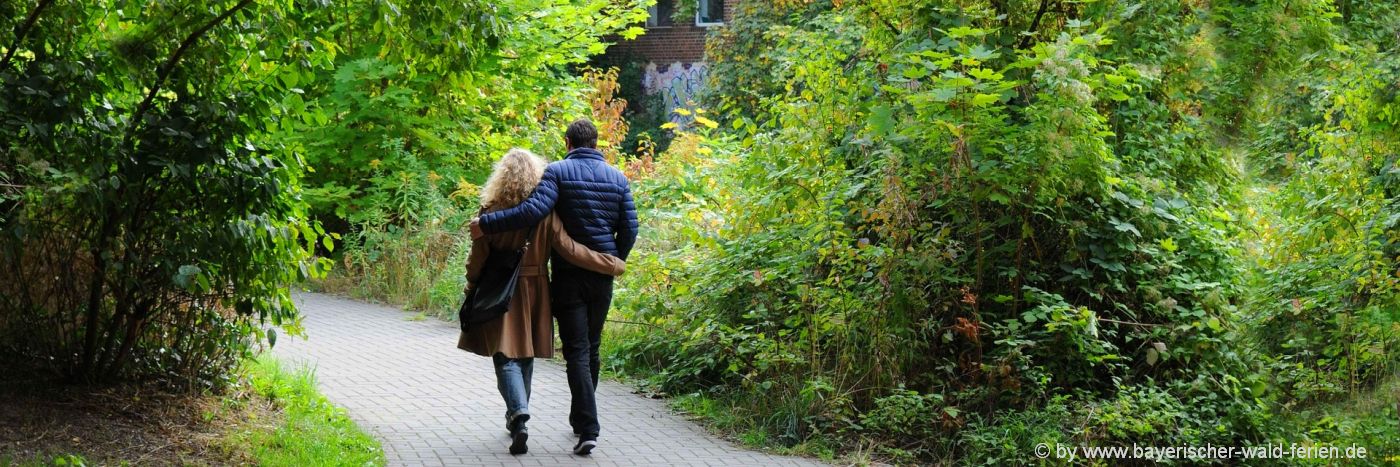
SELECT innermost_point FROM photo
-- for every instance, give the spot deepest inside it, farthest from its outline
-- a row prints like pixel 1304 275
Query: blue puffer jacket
pixel 592 198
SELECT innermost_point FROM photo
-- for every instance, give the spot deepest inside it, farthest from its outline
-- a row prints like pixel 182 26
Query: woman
pixel 525 331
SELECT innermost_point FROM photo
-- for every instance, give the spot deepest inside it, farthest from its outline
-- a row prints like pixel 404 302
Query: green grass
pixel 61 460
pixel 313 431
pixel 722 414
pixel 738 422
pixel 1370 419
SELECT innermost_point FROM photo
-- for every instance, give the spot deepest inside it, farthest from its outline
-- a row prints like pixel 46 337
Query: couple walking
pixel 579 217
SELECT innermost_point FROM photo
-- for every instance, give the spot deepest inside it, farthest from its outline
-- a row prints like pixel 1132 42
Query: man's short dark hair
pixel 582 134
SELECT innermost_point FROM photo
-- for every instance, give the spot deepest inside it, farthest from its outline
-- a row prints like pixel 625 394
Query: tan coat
pixel 527 329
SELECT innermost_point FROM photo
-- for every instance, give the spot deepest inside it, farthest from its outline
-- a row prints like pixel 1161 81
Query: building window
pixel 710 13
pixel 659 15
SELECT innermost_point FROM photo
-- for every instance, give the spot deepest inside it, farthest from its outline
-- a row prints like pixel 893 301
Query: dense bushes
pixel 1329 301
pixel 154 158
pixel 151 224
pixel 453 111
pixel 1018 225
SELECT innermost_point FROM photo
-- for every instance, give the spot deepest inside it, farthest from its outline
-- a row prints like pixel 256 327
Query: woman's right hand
pixel 619 268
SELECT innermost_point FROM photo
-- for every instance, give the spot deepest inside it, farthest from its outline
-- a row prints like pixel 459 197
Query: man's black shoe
pixel 585 446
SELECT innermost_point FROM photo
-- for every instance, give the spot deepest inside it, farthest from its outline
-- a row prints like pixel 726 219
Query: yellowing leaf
pixel 669 126
pixel 707 122
pixel 983 100
pixel 681 111
pixel 465 190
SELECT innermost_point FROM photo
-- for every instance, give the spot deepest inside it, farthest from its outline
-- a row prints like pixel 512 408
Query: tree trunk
pixel 95 287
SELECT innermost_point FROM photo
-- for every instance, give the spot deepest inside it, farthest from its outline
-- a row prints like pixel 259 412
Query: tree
pixel 151 226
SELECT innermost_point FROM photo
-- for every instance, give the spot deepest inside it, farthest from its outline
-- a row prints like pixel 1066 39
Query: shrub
pixel 1328 290
pixel 1011 222
pixel 151 226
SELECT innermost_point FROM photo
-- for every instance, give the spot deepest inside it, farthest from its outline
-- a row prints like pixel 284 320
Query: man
pixel 594 201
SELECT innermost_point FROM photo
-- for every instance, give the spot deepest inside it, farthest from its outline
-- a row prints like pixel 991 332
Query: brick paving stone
pixel 406 383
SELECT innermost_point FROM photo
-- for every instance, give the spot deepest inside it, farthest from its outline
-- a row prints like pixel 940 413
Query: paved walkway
pixel 406 383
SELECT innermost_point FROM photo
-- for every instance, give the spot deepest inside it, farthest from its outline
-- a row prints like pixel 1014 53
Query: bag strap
pixel 529 237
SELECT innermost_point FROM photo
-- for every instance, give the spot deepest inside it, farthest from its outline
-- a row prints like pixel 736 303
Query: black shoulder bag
pixel 490 298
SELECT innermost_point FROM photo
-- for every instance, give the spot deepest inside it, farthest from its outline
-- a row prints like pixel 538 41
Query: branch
pixel 164 71
pixel 1035 24
pixel 631 322
pixel 23 30
pixel 1130 323
pixel 893 29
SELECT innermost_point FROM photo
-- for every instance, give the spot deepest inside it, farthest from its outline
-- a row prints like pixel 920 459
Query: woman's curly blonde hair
pixel 512 180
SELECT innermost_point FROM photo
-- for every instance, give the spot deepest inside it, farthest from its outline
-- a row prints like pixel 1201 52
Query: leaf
pixel 185 274
pixel 943 94
pixel 983 100
pixel 985 74
pixel 1125 227
pixel 881 119
pixel 271 337
pixel 1130 11
pixel 964 31
pixel 1152 356
pixel 711 124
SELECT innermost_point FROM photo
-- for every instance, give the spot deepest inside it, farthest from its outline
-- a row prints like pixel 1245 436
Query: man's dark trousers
pixel 580 301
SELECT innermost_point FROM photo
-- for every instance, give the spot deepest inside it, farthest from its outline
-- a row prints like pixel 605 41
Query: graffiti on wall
pixel 678 84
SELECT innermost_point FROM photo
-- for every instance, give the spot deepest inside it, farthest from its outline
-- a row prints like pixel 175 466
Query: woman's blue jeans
pixel 513 379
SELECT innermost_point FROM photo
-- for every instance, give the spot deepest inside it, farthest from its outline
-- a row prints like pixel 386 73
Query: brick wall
pixel 683 42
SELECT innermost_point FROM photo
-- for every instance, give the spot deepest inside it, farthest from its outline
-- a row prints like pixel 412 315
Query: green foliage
pixel 952 230
pixel 72 460
pixel 1262 43
pixel 743 65
pixel 410 244
pixel 502 83
pixel 1329 301
pixel 1368 419
pixel 1018 224
pixel 398 150
pixel 151 223
pixel 645 113
pixel 314 430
